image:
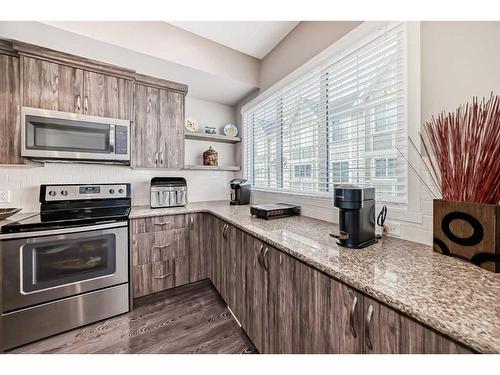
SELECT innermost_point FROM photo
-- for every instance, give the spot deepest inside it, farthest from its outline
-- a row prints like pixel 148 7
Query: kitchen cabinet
pixel 10 120
pixel 158 140
pixel 283 304
pixel 52 86
pixel 386 331
pixel 59 87
pixel 107 96
pixel 197 239
pixel 160 253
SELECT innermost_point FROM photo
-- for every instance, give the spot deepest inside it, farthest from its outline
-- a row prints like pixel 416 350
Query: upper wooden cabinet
pixel 58 87
pixel 10 123
pixel 107 96
pixel 53 86
pixel 63 82
pixel 158 140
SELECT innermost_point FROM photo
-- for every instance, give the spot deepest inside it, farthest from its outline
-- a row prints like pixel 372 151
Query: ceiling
pixel 255 38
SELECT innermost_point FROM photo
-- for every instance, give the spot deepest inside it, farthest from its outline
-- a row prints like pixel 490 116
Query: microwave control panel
pixel 121 140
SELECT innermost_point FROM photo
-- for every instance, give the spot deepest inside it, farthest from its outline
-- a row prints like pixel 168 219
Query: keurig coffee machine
pixel 240 193
pixel 356 216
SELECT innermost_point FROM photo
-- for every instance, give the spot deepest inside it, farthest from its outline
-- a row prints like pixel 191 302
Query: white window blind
pixel 343 124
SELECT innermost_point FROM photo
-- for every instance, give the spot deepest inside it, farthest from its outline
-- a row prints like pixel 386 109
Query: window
pixel 302 171
pixel 340 172
pixel 343 122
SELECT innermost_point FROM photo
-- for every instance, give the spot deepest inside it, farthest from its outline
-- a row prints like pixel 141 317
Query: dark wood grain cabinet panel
pixel 199 237
pixel 10 121
pixel 158 128
pixel 171 129
pixel 386 331
pixel 107 96
pixel 52 86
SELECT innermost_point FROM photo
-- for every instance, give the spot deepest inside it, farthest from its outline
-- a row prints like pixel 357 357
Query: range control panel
pixel 51 193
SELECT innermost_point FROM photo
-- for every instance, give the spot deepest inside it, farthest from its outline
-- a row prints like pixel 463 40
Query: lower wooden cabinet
pixel 284 305
pixel 167 251
pixel 386 331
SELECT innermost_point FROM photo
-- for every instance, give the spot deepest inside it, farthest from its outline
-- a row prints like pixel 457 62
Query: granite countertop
pixel 455 298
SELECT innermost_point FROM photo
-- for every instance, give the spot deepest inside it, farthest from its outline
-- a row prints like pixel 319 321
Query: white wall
pixel 457 60
pixel 305 41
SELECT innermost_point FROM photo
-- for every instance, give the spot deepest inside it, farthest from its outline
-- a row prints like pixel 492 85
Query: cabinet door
pixel 387 331
pixel 107 96
pixel 171 130
pixel 145 127
pixel 52 86
pixel 216 259
pixel 256 292
pixel 199 236
pixel 10 123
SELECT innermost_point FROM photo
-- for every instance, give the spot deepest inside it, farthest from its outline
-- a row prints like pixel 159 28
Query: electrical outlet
pixel 393 228
pixel 4 196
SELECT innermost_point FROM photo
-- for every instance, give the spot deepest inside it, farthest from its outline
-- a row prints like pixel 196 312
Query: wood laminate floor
pixel 188 319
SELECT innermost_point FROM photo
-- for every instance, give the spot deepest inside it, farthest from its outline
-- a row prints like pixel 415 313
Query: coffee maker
pixel 240 193
pixel 356 216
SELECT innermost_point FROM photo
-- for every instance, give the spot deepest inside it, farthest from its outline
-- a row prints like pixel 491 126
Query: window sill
pixel 322 202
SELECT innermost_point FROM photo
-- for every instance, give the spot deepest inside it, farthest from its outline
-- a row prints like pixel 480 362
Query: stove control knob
pixel 120 191
pixel 111 191
pixel 64 192
pixel 52 193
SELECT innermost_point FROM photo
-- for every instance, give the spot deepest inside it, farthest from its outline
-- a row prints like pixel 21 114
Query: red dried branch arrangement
pixel 464 151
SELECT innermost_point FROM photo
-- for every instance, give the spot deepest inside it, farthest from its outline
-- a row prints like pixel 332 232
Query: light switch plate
pixel 4 196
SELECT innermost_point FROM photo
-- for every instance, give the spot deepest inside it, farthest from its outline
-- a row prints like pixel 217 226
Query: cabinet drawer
pixel 157 246
pixel 159 223
pixel 155 277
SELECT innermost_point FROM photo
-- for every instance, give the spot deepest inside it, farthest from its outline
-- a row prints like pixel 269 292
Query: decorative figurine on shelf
pixel 210 130
pixel 211 157
pixel 191 125
pixel 230 130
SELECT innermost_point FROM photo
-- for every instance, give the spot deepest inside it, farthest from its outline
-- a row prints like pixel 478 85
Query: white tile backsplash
pixel 24 182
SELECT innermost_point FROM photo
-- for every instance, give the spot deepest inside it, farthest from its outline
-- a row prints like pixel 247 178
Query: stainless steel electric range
pixel 68 265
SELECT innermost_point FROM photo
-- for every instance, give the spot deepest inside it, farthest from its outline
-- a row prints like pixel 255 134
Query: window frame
pixel 344 46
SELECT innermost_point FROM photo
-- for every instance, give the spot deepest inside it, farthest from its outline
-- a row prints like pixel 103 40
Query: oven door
pixel 60 135
pixel 54 265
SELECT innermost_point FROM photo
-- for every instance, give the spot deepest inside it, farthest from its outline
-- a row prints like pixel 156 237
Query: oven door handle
pixel 52 232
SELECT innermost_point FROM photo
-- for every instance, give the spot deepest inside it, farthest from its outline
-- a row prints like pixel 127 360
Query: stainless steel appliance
pixel 240 191
pixel 356 216
pixel 168 192
pixel 53 135
pixel 68 265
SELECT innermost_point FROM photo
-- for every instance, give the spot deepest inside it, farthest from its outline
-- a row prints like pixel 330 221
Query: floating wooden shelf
pixel 214 168
pixel 212 137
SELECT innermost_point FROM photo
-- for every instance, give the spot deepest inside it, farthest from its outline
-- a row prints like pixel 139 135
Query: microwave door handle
pixel 111 139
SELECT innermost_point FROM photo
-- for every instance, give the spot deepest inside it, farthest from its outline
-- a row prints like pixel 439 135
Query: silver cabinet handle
pixel 86 104
pixel 224 230
pixel 161 224
pixel 156 158
pixel 78 103
pixel 259 258
pixel 264 259
pixel 367 327
pixel 161 246
pixel 191 222
pixel 162 276
pixel 161 157
pixel 351 316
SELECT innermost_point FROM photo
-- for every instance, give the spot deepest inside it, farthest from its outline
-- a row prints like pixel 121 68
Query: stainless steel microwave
pixel 53 135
